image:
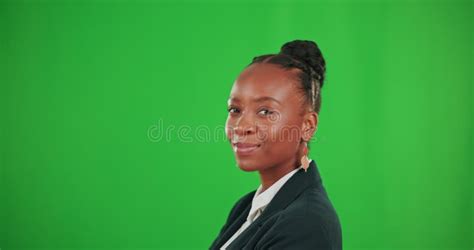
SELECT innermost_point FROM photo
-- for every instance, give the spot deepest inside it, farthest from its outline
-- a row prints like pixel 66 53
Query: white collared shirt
pixel 260 202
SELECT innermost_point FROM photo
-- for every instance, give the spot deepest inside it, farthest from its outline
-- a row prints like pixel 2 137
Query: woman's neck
pixel 272 174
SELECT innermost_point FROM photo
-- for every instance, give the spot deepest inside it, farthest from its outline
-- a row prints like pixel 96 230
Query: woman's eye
pixel 232 110
pixel 265 112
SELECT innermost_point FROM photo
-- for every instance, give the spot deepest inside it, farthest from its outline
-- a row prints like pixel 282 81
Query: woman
pixel 273 114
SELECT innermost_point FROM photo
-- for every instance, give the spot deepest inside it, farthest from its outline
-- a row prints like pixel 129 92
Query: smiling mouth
pixel 245 148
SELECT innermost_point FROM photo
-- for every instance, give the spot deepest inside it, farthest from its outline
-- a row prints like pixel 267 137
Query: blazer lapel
pixel 291 190
pixel 235 224
pixel 287 194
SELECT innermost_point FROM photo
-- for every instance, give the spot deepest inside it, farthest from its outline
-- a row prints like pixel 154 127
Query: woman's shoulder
pixel 313 206
pixel 313 202
pixel 310 220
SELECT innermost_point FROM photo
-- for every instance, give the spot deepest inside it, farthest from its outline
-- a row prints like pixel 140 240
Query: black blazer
pixel 300 216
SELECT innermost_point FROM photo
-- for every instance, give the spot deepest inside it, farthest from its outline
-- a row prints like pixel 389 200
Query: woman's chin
pixel 247 165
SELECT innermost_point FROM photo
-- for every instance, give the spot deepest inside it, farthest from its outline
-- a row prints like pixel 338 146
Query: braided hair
pixel 306 56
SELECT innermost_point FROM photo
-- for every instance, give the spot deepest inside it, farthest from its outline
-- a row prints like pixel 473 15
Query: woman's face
pixel 265 121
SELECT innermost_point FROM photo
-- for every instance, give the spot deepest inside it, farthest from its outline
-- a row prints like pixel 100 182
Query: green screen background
pixel 87 86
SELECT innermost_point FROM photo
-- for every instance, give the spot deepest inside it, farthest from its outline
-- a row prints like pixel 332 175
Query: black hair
pixel 306 56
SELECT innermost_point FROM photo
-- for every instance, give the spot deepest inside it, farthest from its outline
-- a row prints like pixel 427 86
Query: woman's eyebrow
pixel 258 99
pixel 233 99
pixel 266 98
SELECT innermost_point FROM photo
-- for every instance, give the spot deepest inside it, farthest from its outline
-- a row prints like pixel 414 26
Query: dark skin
pixel 269 116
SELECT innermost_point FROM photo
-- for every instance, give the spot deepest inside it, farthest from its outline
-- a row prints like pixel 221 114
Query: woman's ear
pixel 310 125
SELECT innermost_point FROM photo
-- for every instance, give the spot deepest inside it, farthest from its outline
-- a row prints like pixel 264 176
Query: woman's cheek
pixel 263 132
pixel 275 132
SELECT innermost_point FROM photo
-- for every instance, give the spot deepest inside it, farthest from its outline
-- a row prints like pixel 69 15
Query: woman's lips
pixel 245 148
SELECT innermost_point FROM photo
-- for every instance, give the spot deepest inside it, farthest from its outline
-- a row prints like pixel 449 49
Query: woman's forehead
pixel 264 82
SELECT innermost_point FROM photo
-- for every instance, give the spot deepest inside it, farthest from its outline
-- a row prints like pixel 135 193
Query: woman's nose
pixel 244 126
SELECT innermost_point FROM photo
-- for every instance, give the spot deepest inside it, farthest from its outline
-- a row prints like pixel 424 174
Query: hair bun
pixel 307 52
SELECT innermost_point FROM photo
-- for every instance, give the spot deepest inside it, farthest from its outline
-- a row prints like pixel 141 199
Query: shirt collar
pixel 262 199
